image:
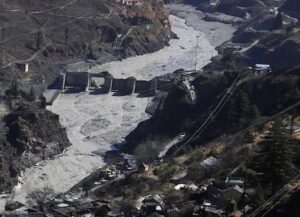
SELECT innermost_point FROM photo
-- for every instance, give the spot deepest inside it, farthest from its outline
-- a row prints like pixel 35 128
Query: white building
pixel 262 68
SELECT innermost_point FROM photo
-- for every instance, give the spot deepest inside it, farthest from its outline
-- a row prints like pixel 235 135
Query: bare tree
pixel 148 151
pixel 66 36
pixel 38 40
pixel 39 198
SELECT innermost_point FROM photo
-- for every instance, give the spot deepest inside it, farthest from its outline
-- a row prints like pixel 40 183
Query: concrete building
pixel 262 68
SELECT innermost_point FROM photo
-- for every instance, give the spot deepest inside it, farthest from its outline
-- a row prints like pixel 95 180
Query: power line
pixel 279 201
pixel 266 203
pixel 259 123
pixel 215 112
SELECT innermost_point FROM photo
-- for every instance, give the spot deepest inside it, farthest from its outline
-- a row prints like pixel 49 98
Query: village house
pixel 234 181
pixel 152 204
pixel 209 163
pixel 233 193
pixel 262 68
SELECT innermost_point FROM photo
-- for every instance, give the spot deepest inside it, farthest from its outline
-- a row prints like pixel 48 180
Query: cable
pixel 282 198
pixel 215 112
pixel 269 119
pixel 273 197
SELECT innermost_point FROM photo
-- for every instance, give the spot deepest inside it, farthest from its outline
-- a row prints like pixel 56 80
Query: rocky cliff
pixel 32 134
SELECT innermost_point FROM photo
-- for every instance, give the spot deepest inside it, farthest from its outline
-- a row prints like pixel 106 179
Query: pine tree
pixel 252 113
pixel 273 160
pixel 248 138
pixel 242 108
pixel 66 36
pixel 14 89
pixel 38 40
pixel 231 115
pixel 293 96
pixel 278 22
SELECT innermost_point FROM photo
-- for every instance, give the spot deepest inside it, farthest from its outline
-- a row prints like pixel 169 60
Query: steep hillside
pixel 292 7
pixel 262 96
pixel 47 34
pixel 279 49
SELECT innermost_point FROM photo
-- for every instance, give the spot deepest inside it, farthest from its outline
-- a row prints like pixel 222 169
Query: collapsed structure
pixel 104 82
pixel 131 85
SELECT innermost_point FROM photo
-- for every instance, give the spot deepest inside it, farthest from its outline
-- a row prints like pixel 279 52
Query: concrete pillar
pixel 153 87
pixel 88 82
pixel 62 80
pixel 131 85
pixel 108 84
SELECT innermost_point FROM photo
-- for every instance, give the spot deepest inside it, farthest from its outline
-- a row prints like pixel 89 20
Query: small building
pixel 207 209
pixel 262 68
pixel 152 204
pixel 233 193
pixel 24 67
pixel 209 163
pixel 234 181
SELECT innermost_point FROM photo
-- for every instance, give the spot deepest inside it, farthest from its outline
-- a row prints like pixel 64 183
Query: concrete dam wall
pixel 82 80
